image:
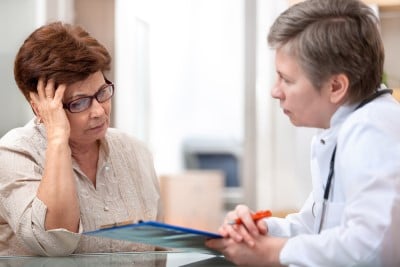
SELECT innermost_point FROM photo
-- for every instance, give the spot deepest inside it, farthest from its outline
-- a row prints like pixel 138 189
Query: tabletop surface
pixel 148 259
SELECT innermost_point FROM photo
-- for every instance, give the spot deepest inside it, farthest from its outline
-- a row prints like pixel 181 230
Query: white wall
pixel 18 18
pixel 195 74
pixel 196 89
pixel 14 109
pixel 282 155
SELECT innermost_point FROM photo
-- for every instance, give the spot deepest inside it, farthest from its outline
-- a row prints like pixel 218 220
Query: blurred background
pixel 193 81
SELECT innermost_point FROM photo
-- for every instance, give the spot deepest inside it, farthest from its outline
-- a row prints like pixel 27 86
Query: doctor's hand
pixel 247 231
pixel 48 106
pixel 264 252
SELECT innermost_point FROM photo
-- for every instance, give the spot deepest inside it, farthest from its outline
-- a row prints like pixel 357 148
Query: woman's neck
pixel 87 155
pixel 80 150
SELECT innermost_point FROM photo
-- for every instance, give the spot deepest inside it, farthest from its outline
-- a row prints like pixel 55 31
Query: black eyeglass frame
pixel 108 83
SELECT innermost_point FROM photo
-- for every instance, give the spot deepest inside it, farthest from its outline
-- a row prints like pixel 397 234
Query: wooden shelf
pixel 396 93
pixel 383 3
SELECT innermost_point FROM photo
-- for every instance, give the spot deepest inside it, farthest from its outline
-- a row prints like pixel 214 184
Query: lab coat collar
pixel 340 115
pixel 345 110
pixel 338 118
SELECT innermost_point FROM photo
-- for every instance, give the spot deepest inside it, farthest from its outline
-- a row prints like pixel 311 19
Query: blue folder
pixel 160 234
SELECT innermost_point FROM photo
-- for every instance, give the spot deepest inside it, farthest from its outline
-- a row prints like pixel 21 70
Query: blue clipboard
pixel 160 234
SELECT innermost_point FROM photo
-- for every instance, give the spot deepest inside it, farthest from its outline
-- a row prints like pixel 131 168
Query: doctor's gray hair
pixel 329 37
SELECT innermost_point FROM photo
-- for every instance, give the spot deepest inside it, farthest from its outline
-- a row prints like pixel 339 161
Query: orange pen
pixel 256 216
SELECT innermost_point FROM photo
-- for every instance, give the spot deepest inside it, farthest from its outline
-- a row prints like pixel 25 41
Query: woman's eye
pixel 102 94
pixel 80 103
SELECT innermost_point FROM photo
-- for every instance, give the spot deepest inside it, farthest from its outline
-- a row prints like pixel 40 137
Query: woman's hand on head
pixel 48 106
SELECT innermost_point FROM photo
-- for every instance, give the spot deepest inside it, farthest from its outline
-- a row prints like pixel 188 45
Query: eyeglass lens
pixel 84 103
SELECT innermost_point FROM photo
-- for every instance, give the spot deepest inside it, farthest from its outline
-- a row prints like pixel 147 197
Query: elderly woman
pixel 66 171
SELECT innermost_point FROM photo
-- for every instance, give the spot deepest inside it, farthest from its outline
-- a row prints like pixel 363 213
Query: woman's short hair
pixel 58 51
pixel 329 37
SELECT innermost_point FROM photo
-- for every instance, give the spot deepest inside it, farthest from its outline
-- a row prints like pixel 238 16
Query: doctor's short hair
pixel 59 51
pixel 329 37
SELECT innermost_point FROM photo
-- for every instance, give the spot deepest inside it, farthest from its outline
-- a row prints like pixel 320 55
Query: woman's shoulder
pixel 23 137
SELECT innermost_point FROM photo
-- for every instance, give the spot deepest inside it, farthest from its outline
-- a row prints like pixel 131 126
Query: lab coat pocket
pixel 334 214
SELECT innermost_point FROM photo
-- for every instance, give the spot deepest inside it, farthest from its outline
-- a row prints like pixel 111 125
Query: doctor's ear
pixel 339 85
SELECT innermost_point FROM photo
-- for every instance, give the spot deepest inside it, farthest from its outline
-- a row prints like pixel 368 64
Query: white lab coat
pixel 362 221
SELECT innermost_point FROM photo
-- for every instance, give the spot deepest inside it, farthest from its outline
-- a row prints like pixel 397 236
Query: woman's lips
pixel 97 127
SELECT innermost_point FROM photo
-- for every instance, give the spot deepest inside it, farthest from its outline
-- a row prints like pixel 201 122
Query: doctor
pixel 329 63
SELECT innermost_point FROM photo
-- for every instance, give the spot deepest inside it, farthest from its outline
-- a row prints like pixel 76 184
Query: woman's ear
pixel 339 85
pixel 34 107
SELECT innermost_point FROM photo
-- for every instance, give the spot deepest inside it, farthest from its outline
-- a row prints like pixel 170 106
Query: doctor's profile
pixel 329 59
pixel 67 171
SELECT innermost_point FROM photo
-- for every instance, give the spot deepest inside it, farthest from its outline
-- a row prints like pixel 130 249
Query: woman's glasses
pixel 81 104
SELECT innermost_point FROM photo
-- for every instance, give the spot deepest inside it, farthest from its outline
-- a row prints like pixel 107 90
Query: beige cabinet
pixel 390 27
pixel 389 13
pixel 193 199
pixel 383 4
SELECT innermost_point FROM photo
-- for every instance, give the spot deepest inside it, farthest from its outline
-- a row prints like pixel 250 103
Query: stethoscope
pixel 332 161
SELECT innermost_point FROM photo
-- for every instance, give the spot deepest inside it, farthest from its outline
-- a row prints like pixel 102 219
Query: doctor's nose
pixel 277 93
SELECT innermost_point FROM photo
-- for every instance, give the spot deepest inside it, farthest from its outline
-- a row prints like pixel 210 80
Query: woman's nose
pixel 96 108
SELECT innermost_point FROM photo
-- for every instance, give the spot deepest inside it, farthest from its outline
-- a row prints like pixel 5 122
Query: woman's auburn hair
pixel 58 51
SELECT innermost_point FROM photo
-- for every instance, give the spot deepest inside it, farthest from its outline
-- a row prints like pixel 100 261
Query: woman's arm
pixel 57 189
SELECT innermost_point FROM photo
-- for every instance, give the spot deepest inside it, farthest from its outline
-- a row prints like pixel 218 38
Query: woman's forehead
pixel 89 86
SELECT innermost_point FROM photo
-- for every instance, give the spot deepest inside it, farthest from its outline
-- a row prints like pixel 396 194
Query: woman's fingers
pixel 47 102
pixel 49 89
pixel 59 94
pixel 40 88
pixel 34 97
pixel 46 89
